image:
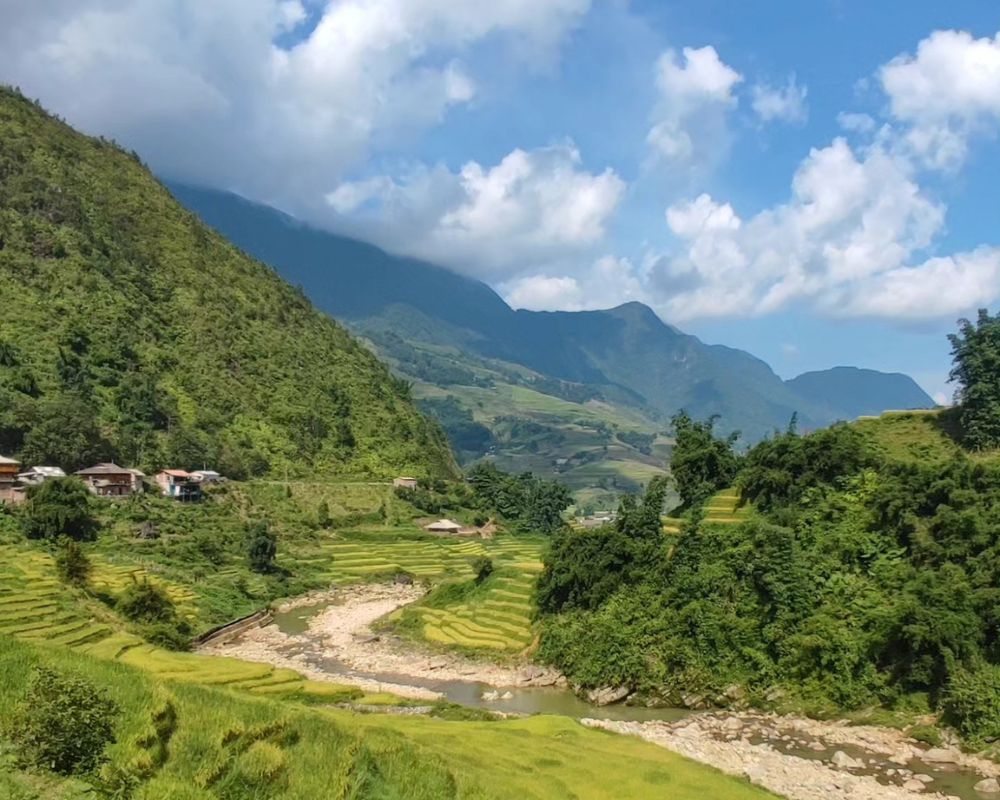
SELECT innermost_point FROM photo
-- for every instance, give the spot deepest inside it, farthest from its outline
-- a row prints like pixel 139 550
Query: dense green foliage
pixel 132 331
pixel 72 563
pixel 63 723
pixel 700 464
pixel 262 546
pixel 586 568
pixel 464 433
pixel 59 507
pixel 534 504
pixel 864 574
pixel 976 353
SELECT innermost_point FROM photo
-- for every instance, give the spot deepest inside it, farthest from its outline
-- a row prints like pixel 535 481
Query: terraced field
pixel 36 607
pixel 723 508
pixel 497 618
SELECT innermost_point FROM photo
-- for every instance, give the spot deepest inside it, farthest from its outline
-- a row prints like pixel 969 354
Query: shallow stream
pixel 947 779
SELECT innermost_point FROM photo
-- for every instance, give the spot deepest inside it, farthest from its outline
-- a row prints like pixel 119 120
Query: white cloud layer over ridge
pixel 530 209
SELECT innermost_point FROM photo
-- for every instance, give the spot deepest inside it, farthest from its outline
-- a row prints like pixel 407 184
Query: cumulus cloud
pixel 530 210
pixel 696 94
pixel 847 243
pixel 266 97
pixel 944 94
pixel 606 282
pixel 780 103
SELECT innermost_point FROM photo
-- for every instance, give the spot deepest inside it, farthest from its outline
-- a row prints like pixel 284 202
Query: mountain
pixel 852 392
pixel 132 331
pixel 618 373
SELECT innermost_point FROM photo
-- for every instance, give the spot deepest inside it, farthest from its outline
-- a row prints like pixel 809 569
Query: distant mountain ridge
pixel 627 349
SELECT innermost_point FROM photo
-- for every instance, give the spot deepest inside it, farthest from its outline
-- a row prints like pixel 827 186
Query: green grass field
pixel 188 742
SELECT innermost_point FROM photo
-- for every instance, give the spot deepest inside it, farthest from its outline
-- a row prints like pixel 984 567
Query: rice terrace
pixel 379 421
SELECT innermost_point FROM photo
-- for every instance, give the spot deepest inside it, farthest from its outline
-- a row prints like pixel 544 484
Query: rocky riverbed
pixel 805 759
pixel 343 630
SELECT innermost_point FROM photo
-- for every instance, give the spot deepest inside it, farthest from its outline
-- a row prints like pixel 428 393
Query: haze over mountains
pixel 456 337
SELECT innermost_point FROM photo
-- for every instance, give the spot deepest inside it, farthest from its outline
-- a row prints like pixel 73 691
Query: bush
pixel 323 515
pixel 63 723
pixel 72 563
pixel 972 702
pixel 146 602
pixel 262 547
pixel 59 507
pixel 483 567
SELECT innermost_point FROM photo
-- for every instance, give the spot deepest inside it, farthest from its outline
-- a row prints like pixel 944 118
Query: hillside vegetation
pixel 860 568
pixel 131 331
pixel 582 395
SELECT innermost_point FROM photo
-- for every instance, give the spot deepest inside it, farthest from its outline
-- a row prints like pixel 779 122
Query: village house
pixel 138 476
pixel 205 476
pixel 37 475
pixel 405 483
pixel 108 480
pixel 179 484
pixel 10 492
pixel 443 526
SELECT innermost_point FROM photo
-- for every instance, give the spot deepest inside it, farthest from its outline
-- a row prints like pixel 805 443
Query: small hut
pixel 443 526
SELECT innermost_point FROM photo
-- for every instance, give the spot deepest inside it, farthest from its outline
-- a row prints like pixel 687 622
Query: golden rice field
pixel 722 508
pixel 497 619
pixel 34 606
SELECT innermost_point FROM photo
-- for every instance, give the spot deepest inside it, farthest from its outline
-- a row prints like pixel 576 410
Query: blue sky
pixel 814 182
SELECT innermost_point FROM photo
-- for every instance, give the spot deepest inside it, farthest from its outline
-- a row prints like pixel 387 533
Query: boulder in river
pixel 988 786
pixel 606 695
pixel 940 755
pixel 843 761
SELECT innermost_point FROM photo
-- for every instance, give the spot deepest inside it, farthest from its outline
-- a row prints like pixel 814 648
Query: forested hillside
pixel 568 384
pixel 131 331
pixel 860 568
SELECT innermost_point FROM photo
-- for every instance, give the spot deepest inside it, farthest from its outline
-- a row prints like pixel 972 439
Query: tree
pixel 483 567
pixel 323 514
pixel 64 431
pixel 143 601
pixel 63 723
pixel 262 546
pixel 72 563
pixel 59 507
pixel 701 464
pixel 975 352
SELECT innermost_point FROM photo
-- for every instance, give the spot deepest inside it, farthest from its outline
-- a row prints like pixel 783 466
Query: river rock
pixel 606 695
pixel 923 778
pixel 913 785
pixel 988 786
pixel 843 761
pixel 940 755
pixel 693 701
pixel 437 663
pixel 490 696
pixel 507 696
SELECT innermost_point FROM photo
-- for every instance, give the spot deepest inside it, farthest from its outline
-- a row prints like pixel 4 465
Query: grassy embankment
pixel 184 741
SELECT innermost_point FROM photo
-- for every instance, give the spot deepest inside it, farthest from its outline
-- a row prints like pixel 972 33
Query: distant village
pixel 105 480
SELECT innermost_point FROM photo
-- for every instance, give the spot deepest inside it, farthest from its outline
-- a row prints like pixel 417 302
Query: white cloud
pixel 532 209
pixel 278 121
pixel 696 94
pixel 846 243
pixel 944 94
pixel 782 104
pixel 606 282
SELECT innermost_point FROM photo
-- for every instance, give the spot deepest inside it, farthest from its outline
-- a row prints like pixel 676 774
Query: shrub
pixel 59 507
pixel 146 602
pixel 972 702
pixel 262 546
pixel 63 723
pixel 483 567
pixel 72 563
pixel 323 515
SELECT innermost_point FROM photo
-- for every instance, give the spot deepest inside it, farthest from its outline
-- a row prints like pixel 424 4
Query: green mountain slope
pixel 854 392
pixel 454 336
pixel 132 331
